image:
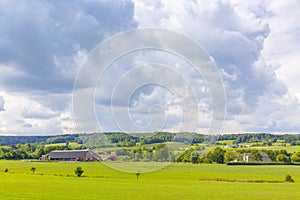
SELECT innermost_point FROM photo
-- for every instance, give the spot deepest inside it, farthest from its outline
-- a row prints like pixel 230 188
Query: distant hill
pixel 124 139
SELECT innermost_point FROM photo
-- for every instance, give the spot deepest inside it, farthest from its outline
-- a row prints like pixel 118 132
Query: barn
pixel 71 155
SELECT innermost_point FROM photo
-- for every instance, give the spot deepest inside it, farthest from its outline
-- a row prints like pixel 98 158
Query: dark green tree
pixel 78 171
pixel 255 155
pixel 32 169
pixel 195 157
pixel 288 178
pixel 218 155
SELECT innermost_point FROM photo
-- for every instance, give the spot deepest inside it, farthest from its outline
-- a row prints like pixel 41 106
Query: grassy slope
pixel 179 181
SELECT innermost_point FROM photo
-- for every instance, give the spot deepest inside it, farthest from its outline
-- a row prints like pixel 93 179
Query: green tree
pixel 231 156
pixel 33 169
pixel 282 158
pixel 137 175
pixel 186 156
pixel 195 157
pixel 78 171
pixel 288 178
pixel 216 155
pixel 255 155
pixel 162 154
pixel 296 157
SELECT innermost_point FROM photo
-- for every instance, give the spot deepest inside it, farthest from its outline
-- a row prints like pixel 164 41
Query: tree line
pixel 31 150
pixel 129 140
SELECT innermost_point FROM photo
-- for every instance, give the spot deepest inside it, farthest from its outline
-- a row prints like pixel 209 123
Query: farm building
pixel 264 157
pixel 71 155
pixel 108 157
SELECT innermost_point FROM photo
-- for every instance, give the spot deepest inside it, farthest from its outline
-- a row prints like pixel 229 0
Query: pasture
pixel 53 180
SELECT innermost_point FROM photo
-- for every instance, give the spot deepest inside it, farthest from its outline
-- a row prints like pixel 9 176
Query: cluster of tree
pixel 62 139
pixel 10 140
pixel 158 153
pixel 13 140
pixel 120 139
pixel 31 151
pixel 160 137
pixel 220 155
pixel 260 137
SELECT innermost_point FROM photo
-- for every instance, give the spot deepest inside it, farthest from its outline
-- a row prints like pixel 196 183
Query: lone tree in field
pixel 137 175
pixel 33 169
pixel 78 171
pixel 288 178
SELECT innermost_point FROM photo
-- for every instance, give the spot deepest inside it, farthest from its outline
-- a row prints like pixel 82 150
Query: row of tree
pixel 129 140
pixel 220 155
pixel 31 151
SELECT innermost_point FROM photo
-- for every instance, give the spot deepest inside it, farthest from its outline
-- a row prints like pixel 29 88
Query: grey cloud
pixel 235 38
pixel 39 33
pixel 2 102
pixel 38 114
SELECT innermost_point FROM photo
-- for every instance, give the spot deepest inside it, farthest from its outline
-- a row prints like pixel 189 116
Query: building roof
pixel 67 154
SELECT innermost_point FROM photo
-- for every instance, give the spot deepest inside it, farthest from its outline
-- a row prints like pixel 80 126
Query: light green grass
pixel 177 181
pixel 72 144
pixel 290 149
pixel 227 142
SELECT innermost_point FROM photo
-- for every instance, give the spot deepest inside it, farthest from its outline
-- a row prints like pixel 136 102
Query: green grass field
pixel 54 180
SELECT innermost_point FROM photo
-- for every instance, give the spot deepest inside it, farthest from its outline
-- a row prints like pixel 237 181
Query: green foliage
pixel 6 170
pixel 62 139
pixel 137 175
pixel 186 156
pixel 255 155
pixel 288 178
pixel 217 155
pixel 296 157
pixel 163 155
pixel 195 157
pixel 282 158
pixel 32 169
pixel 78 171
pixel 159 137
pixel 232 155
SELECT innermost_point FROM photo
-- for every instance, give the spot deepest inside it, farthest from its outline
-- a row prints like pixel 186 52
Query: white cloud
pixel 247 40
pixel 255 45
pixel 2 104
pixel 42 46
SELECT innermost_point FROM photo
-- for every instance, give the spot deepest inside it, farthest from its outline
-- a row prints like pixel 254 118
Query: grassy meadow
pixel 53 180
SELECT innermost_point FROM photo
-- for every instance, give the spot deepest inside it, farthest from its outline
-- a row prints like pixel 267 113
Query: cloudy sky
pixel 255 46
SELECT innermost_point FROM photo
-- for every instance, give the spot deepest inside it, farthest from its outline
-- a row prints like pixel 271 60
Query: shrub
pixel 296 157
pixel 78 171
pixel 6 170
pixel 282 158
pixel 33 169
pixel 137 175
pixel 288 178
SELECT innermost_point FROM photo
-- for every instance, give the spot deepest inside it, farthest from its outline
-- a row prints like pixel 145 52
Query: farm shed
pixel 71 155
pixel 107 157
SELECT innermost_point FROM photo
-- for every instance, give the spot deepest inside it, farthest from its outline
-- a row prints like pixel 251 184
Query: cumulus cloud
pixel 42 46
pixel 43 41
pixel 2 104
pixel 234 34
pixel 254 44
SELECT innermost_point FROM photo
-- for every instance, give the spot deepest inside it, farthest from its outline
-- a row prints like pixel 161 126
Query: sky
pixel 254 45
